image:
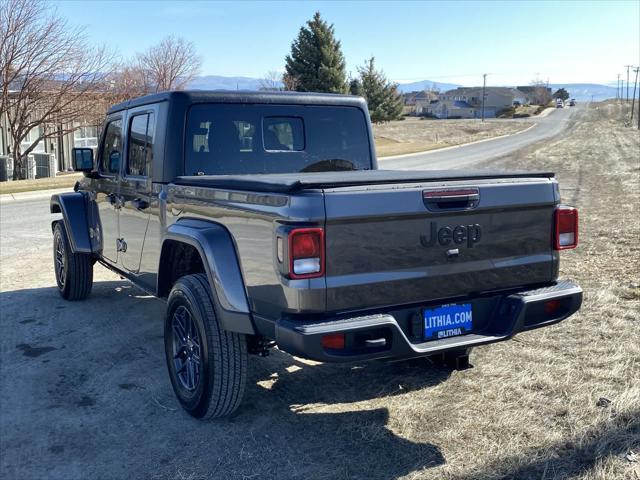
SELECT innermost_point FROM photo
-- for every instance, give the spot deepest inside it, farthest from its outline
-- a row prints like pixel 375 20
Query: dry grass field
pixel 416 135
pixel 564 402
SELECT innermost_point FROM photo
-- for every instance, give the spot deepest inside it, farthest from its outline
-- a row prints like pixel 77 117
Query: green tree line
pixel 316 64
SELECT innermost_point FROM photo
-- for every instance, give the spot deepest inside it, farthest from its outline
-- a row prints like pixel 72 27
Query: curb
pixel 33 195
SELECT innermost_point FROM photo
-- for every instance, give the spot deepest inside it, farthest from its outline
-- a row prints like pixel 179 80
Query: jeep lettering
pixel 469 234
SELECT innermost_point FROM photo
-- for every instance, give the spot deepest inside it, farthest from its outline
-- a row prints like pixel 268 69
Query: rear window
pixel 228 139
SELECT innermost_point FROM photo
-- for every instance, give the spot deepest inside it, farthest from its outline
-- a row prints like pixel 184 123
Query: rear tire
pixel 74 271
pixel 207 364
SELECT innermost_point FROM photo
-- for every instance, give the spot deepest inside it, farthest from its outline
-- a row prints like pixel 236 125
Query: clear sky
pixel 456 42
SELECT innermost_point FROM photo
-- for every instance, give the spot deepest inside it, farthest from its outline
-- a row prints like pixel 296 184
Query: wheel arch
pixel 198 246
pixel 73 207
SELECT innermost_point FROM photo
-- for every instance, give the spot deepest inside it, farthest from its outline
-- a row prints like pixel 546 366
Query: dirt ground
pixel 84 391
pixel 416 135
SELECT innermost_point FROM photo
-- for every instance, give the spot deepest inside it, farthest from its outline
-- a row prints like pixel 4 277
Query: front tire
pixel 207 364
pixel 74 271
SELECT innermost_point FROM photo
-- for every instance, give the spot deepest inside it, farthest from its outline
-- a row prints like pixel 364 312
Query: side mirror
pixel 82 159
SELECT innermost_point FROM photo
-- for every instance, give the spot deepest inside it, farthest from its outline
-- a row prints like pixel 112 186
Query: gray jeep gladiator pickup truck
pixel 263 220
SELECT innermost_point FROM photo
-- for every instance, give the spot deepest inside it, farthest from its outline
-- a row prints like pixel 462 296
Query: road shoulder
pixel 33 195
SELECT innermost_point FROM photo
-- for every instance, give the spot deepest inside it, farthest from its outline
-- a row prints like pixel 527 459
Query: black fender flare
pixel 73 207
pixel 218 254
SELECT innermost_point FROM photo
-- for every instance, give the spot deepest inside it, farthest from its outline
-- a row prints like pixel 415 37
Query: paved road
pixel 466 155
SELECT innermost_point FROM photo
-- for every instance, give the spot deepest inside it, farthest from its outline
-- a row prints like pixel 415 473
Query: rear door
pixel 136 185
pixel 400 244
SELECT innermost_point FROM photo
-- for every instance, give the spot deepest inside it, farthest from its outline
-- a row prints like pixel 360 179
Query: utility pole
pixel 628 67
pixel 618 88
pixel 484 86
pixel 633 102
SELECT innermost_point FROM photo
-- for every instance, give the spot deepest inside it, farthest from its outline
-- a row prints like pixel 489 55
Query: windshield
pixel 231 139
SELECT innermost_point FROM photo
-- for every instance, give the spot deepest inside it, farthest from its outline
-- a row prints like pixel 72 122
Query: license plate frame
pixel 446 321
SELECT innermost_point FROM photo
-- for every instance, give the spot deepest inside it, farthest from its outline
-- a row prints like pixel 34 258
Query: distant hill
pixel 426 85
pixel 218 82
pixel 580 91
pixel 583 92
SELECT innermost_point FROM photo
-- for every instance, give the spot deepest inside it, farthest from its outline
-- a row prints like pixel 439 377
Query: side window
pixel 283 133
pixel 246 132
pixel 112 148
pixel 141 132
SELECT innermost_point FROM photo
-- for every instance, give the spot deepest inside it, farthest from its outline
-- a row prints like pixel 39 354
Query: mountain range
pixel 218 82
pixel 580 91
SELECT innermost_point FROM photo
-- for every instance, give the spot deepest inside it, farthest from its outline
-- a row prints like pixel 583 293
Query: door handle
pixel 140 204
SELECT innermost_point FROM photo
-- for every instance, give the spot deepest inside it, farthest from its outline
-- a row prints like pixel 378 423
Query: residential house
pixel 466 102
pixel 415 102
pixel 450 109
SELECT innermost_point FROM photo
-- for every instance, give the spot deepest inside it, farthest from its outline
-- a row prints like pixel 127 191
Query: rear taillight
pixel 306 253
pixel 333 341
pixel 566 228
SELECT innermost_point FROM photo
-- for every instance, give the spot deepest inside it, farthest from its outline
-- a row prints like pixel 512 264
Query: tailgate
pixel 410 243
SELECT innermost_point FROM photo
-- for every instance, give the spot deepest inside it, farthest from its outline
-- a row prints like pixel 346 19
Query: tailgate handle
pixel 451 199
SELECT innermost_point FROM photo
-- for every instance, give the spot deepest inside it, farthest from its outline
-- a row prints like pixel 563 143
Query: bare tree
pixel 126 82
pixel 50 76
pixel 170 65
pixel 541 92
pixel 272 81
pixel 290 82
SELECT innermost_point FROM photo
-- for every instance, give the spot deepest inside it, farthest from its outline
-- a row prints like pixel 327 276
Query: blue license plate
pixel 447 321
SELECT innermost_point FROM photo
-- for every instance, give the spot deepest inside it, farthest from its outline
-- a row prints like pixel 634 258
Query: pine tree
pixel 355 87
pixel 384 100
pixel 316 63
pixel 561 93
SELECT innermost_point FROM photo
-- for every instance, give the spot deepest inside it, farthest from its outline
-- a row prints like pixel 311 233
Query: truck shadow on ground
pixel 317 413
pixel 299 381
pixel 98 366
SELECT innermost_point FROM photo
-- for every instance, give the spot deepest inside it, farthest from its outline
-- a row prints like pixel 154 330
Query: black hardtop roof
pixel 242 96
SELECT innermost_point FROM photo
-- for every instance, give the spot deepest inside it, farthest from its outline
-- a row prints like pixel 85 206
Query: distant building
pixel 414 102
pixel 466 102
pixel 81 133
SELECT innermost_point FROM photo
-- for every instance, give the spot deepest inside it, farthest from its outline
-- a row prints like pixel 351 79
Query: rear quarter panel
pixel 252 219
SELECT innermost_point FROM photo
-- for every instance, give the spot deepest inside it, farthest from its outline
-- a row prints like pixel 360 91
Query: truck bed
pixel 292 182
